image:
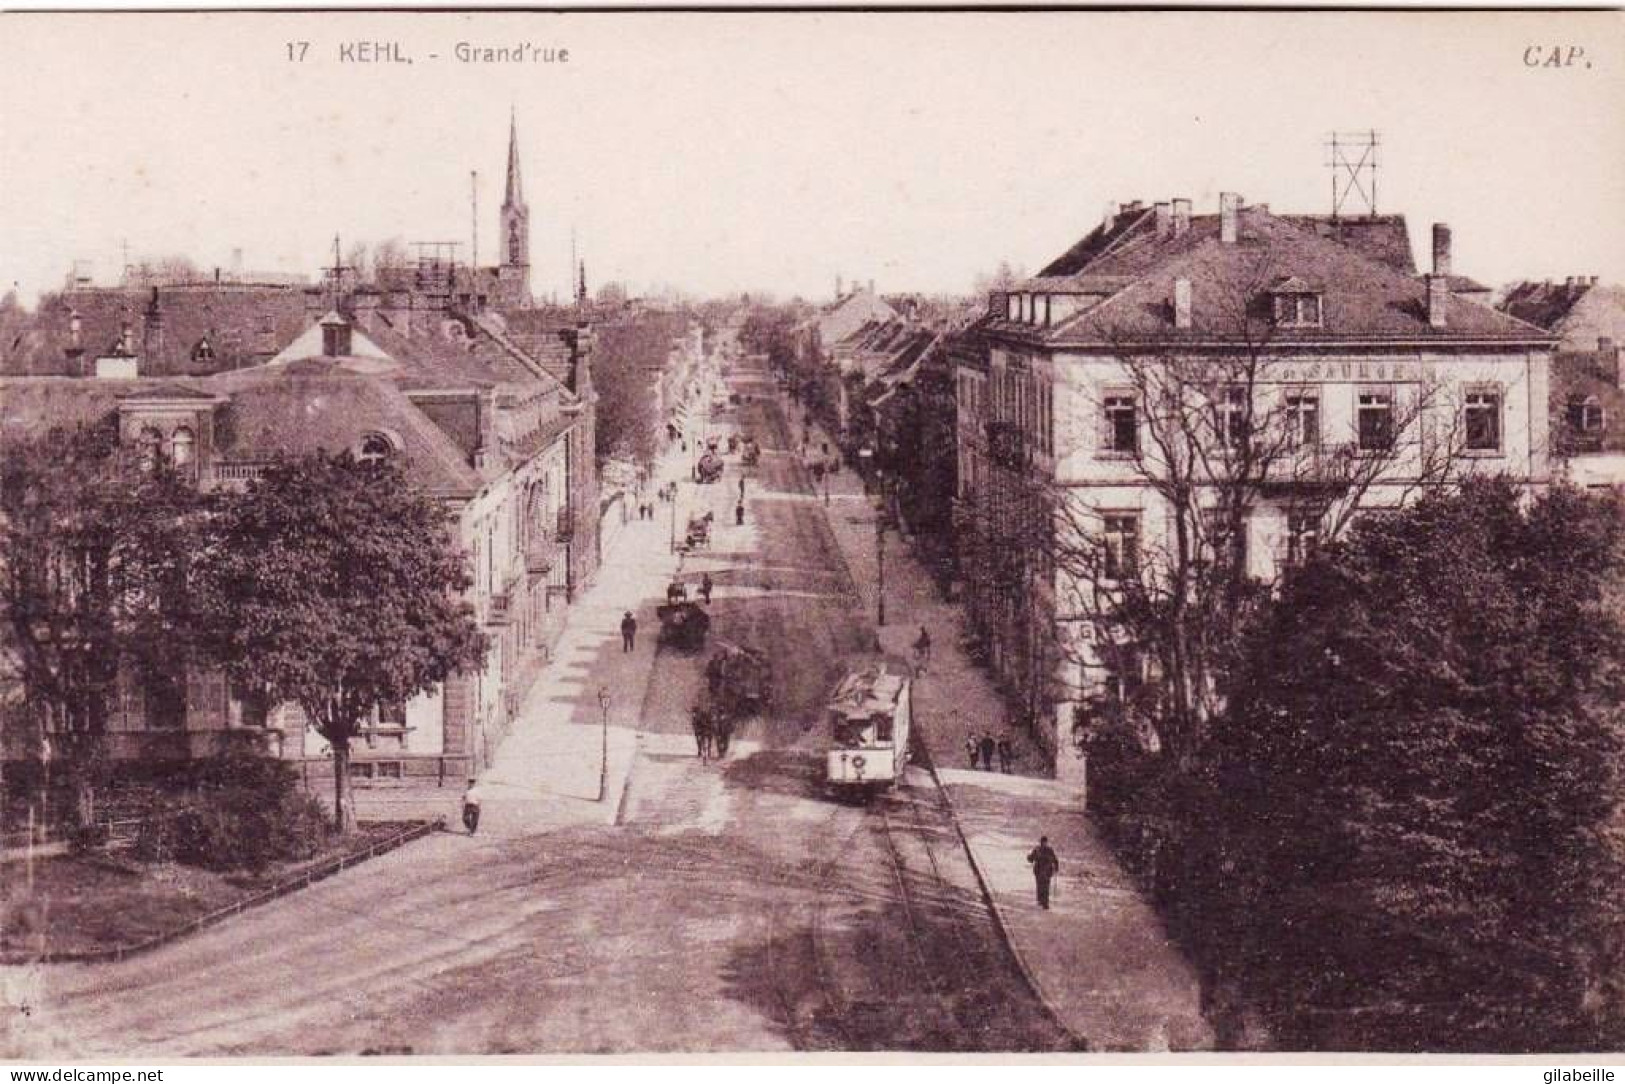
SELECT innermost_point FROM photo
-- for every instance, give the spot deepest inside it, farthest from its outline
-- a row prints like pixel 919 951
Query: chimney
pixel 1441 249
pixel 1568 283
pixel 1110 219
pixel 1229 216
pixel 1608 358
pixel 838 290
pixel 1438 300
pixel 871 286
pixel 484 417
pixel 152 337
pixel 1182 303
pixel 1182 216
pixel 1165 221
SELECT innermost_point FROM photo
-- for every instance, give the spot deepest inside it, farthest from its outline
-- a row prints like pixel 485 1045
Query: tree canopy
pixel 336 586
pixel 1413 802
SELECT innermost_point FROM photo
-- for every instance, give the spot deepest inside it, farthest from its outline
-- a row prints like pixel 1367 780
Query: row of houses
pixel 1316 337
pixel 503 437
pixel 485 400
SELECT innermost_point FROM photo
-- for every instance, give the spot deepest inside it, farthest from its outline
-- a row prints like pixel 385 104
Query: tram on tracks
pixel 868 729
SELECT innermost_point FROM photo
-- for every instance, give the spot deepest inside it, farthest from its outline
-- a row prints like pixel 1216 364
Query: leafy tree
pixel 95 552
pixel 335 586
pixel 1413 806
pixel 626 364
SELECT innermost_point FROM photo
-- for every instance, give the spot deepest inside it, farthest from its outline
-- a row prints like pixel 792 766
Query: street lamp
pixel 603 762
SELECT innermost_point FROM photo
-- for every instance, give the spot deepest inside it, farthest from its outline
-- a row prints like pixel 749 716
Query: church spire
pixel 514 268
pixel 516 189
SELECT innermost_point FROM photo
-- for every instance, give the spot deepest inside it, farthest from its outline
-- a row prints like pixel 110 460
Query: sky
pixel 728 152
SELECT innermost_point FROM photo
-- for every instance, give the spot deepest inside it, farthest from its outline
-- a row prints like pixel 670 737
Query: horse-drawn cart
pixel 683 625
pixel 739 680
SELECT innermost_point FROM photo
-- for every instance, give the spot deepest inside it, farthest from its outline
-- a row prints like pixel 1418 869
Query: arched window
pixel 203 352
pixel 150 445
pixel 375 450
pixel 513 245
pixel 182 447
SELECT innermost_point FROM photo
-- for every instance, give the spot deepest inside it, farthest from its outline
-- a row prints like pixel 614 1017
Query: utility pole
pixel 880 561
pixel 603 763
pixel 474 218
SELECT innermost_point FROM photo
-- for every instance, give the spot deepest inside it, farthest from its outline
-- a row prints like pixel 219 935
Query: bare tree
pixel 1207 424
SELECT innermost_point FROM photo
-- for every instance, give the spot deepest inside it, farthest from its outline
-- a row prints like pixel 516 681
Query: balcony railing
pixel 237 472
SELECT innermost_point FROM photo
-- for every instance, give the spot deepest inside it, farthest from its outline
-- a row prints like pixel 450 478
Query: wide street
pixel 733 907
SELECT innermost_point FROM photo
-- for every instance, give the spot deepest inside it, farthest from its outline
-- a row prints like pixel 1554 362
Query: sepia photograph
pixel 800 534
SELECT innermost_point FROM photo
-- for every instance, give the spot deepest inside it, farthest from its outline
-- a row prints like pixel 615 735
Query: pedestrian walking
pixel 705 588
pixel 471 806
pixel 629 631
pixel 973 749
pixel 1045 867
pixel 724 730
pixel 739 514
pixel 987 747
pixel 741 487
pixel 1007 753
pixel 922 650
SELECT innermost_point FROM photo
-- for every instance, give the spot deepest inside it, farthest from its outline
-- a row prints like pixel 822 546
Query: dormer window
pixel 203 352
pixel 1586 415
pixel 375 450
pixel 1296 304
pixel 336 339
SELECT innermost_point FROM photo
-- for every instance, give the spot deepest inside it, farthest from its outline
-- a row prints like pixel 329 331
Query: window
pixel 1125 675
pixel 336 340
pixel 1122 423
pixel 1374 419
pixel 150 445
pixel 1121 536
pixel 515 255
pixel 375 449
pixel 1303 418
pixel 1297 310
pixel 1232 420
pixel 1482 415
pixel 203 352
pixel 1302 534
pixel 182 447
pixel 1585 415
pixel 1220 541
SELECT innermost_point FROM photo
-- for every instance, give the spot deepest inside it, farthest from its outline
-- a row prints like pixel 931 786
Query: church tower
pixel 514 238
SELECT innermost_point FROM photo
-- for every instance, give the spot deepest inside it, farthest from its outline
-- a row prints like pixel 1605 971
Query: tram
pixel 868 729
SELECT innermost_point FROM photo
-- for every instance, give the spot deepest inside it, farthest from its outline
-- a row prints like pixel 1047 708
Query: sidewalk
pixel 1100 957
pixel 546 773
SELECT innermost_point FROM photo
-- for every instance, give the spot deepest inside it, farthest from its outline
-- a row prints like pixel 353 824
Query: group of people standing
pixel 982 750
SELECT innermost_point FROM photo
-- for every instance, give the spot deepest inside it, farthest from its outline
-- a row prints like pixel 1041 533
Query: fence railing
pixel 303 879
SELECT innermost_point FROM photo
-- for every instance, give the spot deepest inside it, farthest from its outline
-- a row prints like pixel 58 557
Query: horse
pixel 702 732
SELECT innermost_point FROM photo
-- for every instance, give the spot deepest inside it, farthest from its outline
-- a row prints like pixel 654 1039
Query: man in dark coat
pixel 629 631
pixel 987 746
pixel 705 588
pixel 1045 867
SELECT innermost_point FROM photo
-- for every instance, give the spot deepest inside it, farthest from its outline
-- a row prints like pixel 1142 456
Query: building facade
pixel 1310 339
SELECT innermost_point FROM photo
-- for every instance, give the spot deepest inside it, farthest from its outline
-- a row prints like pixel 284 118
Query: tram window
pixel 883 728
pixel 849 732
